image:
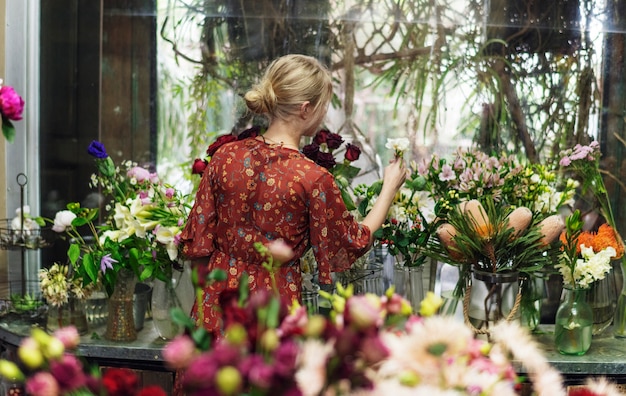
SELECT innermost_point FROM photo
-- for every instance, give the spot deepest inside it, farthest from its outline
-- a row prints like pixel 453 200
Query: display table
pixel 143 354
pixel 605 358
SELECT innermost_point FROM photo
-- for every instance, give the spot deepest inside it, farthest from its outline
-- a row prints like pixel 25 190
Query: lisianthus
pixel 11 108
pixel 322 151
pixel 140 227
pixel 587 255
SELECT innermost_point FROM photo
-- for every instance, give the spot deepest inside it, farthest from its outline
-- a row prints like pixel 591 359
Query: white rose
pixel 62 220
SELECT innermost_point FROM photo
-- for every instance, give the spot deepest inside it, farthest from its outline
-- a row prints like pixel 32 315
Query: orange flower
pixel 600 240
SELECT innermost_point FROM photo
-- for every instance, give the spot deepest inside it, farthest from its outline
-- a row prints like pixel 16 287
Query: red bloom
pixel 152 391
pixel 222 140
pixel 311 151
pixel 581 392
pixel 199 165
pixel 11 104
pixel 333 140
pixel 120 382
pixel 352 152
pixel 327 160
pixel 321 136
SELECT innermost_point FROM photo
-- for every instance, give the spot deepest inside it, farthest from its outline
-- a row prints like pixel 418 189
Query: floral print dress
pixel 258 192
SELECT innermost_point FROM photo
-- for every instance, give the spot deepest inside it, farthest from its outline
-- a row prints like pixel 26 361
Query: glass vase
pixel 601 298
pixel 491 297
pixel 72 313
pixel 574 323
pixel 619 318
pixel 164 299
pixel 121 319
pixel 532 289
pixel 409 283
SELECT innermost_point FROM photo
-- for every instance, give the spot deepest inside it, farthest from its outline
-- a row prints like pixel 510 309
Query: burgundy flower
pixel 198 167
pixel 285 358
pixel 321 136
pixel 373 350
pixel 200 374
pixel 352 152
pixel 11 104
pixel 311 151
pixel 333 141
pixel 326 160
pixel 68 372
pixel 222 140
pixel 250 132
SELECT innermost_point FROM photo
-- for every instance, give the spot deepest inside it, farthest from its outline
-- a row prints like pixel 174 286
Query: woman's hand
pixel 395 174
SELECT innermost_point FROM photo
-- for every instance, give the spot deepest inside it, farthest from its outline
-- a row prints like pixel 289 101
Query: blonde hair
pixel 288 82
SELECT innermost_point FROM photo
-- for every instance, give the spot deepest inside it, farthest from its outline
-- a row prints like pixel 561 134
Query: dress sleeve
pixel 198 236
pixel 336 236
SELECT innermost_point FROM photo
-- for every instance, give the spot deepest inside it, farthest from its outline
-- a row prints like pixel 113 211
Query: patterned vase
pixel 121 320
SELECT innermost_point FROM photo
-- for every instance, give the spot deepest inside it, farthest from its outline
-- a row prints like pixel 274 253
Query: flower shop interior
pixel 499 269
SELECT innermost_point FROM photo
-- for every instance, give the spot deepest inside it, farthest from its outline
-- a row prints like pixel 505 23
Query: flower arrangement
pixel 322 151
pixel 587 255
pixel 11 108
pixel 142 224
pixel 471 173
pixel 48 366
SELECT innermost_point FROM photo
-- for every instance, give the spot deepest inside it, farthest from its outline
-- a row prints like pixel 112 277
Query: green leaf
pixel 201 338
pixel 273 310
pixel 79 221
pixel 73 253
pixel 90 267
pixel 8 130
pixel 347 199
pixel 179 316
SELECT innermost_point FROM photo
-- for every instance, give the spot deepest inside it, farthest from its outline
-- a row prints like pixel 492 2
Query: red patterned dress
pixel 258 192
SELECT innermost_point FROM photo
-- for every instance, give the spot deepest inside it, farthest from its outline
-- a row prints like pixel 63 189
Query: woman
pixel 262 189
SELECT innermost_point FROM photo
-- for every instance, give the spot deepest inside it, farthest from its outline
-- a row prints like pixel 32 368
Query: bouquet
pixel 141 225
pixel 587 255
pixel 322 151
pixel 11 108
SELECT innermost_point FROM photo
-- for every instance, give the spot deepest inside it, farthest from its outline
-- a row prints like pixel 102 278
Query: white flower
pixel 167 237
pixel 398 145
pixel 63 220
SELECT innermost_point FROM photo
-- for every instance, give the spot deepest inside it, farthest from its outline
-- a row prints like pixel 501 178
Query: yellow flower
pixel 430 305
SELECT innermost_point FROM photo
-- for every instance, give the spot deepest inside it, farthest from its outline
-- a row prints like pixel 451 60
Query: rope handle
pixel 466 303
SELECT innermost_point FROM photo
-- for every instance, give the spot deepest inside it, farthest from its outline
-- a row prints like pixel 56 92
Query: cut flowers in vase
pixel 586 255
pixel 140 229
pixel 471 173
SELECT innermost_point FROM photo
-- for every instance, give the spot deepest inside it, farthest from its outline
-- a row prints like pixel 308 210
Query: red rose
pixel 119 382
pixel 311 151
pixel 327 160
pixel 321 136
pixel 333 140
pixel 222 140
pixel 198 167
pixel 352 152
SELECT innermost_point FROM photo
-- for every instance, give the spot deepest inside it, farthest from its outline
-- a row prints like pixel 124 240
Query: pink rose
pixel 363 312
pixel 280 251
pixel 42 384
pixel 68 336
pixel 11 104
pixel 179 352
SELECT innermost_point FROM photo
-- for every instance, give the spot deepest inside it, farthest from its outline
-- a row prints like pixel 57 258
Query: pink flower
pixel 280 250
pixel 363 312
pixel 138 173
pixel 179 352
pixel 447 173
pixel 42 384
pixel 169 192
pixel 11 104
pixel 68 336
